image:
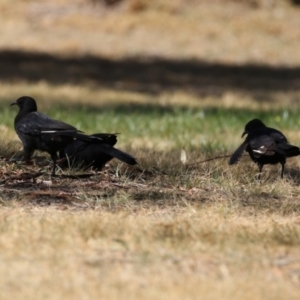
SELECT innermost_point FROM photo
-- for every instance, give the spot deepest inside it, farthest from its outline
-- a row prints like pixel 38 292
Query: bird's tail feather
pixel 288 150
pixel 122 156
pixel 108 138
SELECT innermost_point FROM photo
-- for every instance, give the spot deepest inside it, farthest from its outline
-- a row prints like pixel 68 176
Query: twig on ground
pixel 209 159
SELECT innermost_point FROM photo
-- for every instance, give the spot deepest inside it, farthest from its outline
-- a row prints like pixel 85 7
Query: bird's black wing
pixel 262 145
pixel 270 141
pixel 236 156
pixel 36 123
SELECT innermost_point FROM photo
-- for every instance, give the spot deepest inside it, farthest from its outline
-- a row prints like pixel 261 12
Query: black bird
pixel 265 145
pixel 39 132
pixel 95 154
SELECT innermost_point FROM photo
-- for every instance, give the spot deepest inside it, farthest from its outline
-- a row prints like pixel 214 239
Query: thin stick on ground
pixel 209 159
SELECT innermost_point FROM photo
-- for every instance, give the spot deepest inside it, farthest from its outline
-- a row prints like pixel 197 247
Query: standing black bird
pixel 95 154
pixel 265 145
pixel 39 132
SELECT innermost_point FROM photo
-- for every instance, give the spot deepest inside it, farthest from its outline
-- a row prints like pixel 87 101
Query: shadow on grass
pixel 157 109
pixel 149 75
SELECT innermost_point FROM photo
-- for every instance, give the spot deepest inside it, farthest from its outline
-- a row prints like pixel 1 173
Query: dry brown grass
pixel 159 230
pixel 148 252
pixel 210 230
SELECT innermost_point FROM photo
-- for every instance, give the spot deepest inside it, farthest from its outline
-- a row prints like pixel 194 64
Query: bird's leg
pixel 260 170
pixel 27 153
pixel 282 168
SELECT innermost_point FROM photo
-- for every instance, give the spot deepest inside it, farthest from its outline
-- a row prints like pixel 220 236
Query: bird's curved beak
pixel 244 133
pixel 14 103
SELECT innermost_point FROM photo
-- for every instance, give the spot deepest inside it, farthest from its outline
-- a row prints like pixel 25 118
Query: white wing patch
pixel 261 150
pixel 48 131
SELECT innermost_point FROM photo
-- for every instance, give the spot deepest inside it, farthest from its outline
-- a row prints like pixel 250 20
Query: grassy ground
pixel 163 229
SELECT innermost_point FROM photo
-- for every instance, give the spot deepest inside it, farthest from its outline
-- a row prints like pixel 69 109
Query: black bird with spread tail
pixel 94 154
pixel 265 145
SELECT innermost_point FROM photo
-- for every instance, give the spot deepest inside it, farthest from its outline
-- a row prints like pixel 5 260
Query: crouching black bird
pixel 95 153
pixel 39 132
pixel 265 145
